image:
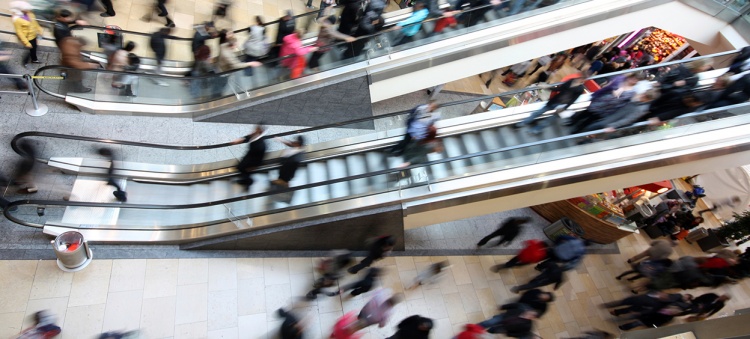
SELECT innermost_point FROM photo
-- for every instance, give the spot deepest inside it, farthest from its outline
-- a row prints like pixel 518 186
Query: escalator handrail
pixel 14 141
pixel 6 211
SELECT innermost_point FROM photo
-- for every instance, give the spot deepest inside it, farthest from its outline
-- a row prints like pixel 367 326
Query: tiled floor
pixel 237 298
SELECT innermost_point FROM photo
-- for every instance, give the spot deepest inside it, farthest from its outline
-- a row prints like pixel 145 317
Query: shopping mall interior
pixel 194 253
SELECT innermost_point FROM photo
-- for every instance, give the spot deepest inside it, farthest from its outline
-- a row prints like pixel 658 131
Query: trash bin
pixel 72 251
pixel 564 226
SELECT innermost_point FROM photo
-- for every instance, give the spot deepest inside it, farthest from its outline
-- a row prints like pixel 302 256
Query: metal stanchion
pixel 38 109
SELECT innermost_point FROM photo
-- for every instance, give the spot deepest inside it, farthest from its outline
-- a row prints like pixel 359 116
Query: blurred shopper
pixel 630 113
pixel 417 125
pixel 253 159
pixel 201 86
pixel 541 62
pixel 291 158
pixel 23 176
pixel 119 193
pixel 27 29
pixel 567 94
pixel 158 44
pixel 552 273
pixel 118 62
pixel 658 250
pixel 4 69
pixel 379 248
pixel 517 321
pixel 256 46
pixel 331 269
pixel 5 202
pixel 161 10
pixel 533 252
pixel 472 331
pixel 430 274
pixel 295 52
pixel 677 83
pixel 285 27
pixel 369 25
pixel 568 251
pixel 109 9
pixel 346 327
pixel 120 335
pixel 379 309
pixel 221 10
pixel 44 327
pixel 507 231
pixel 327 36
pixel 349 16
pixel 707 305
pixel 741 62
pixel 537 299
pixel 63 20
pixel 608 99
pixel 736 92
pixel 128 80
pixel 70 49
pixel 291 326
pixel 414 327
pixel 474 11
pixel 513 73
pixel 410 26
pixel 363 285
pixel 228 49
pixel 656 318
pixel 202 33
pixel 447 20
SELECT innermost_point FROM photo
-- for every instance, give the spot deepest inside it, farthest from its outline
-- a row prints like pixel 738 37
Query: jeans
pixel 494 324
pixel 32 52
pixel 20 84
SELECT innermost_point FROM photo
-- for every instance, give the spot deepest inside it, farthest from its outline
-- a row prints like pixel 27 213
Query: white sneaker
pixel 161 83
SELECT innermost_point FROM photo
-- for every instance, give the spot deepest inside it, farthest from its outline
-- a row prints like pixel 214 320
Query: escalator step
pixel 376 161
pixel 453 149
pixel 472 144
pixel 317 172
pixel 356 165
pixel 337 169
pixel 491 141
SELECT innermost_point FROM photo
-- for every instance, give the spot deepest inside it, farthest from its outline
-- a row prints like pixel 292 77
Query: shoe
pixel 618 277
pixel 163 14
pixel 161 83
pixel 622 328
pixel 36 62
pixel 429 92
pixel 514 289
pixel 27 190
pixel 310 296
pixel 495 268
pixel 517 126
pixel 121 196
pixel 281 313
pixel 630 261
pixel 351 270
pixel 170 25
pixel 106 15
pixel 310 7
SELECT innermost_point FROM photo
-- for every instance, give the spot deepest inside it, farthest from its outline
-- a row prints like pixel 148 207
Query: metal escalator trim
pixel 329 182
pixel 493 187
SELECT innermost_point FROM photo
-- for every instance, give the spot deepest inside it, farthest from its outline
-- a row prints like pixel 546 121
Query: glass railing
pixel 238 83
pixel 366 129
pixel 36 213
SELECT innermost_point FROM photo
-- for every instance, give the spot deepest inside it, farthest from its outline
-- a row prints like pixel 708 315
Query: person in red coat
pixel 534 252
pixel 472 331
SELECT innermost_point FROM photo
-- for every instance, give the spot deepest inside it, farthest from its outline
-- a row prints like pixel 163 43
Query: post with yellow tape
pixel 38 109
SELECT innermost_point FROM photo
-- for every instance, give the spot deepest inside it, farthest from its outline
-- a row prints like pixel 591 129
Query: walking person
pixel 256 46
pixel 707 305
pixel 221 10
pixel 363 285
pixel 22 174
pixel 410 26
pixel 533 252
pixel 63 20
pixel 568 251
pixel 27 29
pixel 658 250
pixel 109 9
pixel 378 310
pixel 70 50
pixel 291 158
pixel 414 327
pixel 161 9
pixel 417 124
pixel 295 51
pixel 430 274
pixel 291 327
pixel 508 231
pixel 379 249
pixel 158 44
pixel 567 94
pixel 286 26
pixel 119 193
pixel 327 36
pixel 552 273
pixel 541 62
pixel 517 321
pixel 4 69
pixel 118 62
pixel 537 299
pixel 330 270
pixel 253 159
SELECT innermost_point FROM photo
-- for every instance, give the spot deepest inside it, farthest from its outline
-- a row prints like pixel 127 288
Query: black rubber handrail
pixel 6 211
pixel 14 141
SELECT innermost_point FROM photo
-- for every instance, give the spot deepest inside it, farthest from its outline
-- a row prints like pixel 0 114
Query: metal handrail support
pixel 37 109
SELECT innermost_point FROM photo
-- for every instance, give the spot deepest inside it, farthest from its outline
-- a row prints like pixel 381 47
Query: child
pixel 430 274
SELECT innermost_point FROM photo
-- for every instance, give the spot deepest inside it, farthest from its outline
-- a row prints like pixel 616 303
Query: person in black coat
pixel 370 24
pixel 517 321
pixel 414 327
pixel 640 303
pixel 707 305
pixel 290 160
pixel 363 285
pixel 537 300
pixel 675 84
pixel 203 33
pixel 119 193
pixel 291 327
pixel 378 250
pixel 254 156
pixel 551 274
pixel 348 20
pixel 508 231
pixel 567 94
pixel 158 45
pixel 740 62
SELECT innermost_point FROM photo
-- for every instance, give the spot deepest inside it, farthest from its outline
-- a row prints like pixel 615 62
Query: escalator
pixel 484 159
pixel 382 71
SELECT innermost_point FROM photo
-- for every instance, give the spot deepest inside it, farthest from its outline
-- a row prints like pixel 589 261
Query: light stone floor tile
pixel 301 265
pixel 158 317
pixel 128 275
pixel 123 310
pixel 16 278
pixel 91 285
pixel 254 325
pixel 83 321
pixel 222 309
pixel 192 304
pixel 161 278
pixel 195 330
pixel 227 333
pixel 192 271
pixel 301 284
pixel 276 271
pixel 250 300
pixel 10 324
pixel 50 281
pixel 222 274
pixel 277 296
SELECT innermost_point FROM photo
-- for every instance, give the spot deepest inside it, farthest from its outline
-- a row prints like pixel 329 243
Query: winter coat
pixel 292 46
pixel 26 30
pixel 256 45
pixel 70 50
